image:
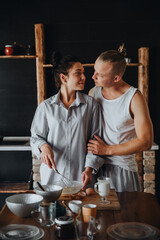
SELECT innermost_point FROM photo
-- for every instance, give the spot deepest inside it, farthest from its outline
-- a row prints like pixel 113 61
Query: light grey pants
pixel 122 179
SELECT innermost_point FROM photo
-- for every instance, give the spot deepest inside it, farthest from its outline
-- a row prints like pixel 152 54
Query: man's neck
pixel 115 91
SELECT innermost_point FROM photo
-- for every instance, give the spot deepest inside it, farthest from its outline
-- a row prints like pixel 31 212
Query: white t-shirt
pixel 118 125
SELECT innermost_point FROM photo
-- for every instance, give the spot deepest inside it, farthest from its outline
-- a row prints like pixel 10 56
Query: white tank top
pixel 118 125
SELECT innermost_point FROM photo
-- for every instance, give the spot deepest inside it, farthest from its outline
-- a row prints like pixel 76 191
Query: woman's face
pixel 75 79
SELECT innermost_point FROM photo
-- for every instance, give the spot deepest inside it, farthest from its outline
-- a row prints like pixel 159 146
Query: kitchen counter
pixel 15 144
pixel 134 207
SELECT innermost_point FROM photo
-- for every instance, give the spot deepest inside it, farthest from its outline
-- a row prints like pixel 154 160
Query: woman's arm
pixel 39 132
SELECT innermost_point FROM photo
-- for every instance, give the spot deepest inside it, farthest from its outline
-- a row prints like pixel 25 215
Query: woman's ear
pixel 117 78
pixel 63 78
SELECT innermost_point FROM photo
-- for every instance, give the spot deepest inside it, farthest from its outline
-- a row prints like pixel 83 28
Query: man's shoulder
pixel 93 91
pixel 90 91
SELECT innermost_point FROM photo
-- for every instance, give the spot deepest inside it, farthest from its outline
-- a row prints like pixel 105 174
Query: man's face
pixel 103 75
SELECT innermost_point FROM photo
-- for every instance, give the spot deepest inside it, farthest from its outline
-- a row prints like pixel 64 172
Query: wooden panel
pixel 40 60
pixel 14 187
pixel 95 198
pixel 143 72
pixel 19 56
pixel 92 65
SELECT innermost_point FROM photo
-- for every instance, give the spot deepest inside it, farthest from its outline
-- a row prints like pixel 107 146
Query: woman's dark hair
pixel 61 64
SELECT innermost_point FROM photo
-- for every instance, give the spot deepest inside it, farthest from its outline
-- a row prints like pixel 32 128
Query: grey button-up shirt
pixel 67 131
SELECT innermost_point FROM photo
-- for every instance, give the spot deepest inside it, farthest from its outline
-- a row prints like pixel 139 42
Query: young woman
pixel 64 123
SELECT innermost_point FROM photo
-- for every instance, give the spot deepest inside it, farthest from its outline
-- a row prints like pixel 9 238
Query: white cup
pixel 102 187
pixel 75 206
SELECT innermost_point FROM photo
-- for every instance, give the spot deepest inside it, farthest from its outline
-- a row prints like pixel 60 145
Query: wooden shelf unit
pixel 18 57
pixel 143 64
pixel 92 65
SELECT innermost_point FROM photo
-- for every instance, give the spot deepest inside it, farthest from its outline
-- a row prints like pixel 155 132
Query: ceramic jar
pixel 64 227
pixel 9 50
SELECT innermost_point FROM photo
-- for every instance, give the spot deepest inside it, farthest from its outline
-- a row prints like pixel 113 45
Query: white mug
pixel 102 187
pixel 75 206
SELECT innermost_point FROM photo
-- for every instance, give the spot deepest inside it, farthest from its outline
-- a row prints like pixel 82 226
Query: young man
pixel 127 126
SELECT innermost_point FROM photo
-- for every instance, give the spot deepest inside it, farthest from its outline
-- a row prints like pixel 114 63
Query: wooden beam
pixel 40 60
pixel 18 56
pixel 143 72
pixel 91 65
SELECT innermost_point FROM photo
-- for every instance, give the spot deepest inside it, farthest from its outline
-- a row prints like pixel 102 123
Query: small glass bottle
pixel 47 214
pixel 64 227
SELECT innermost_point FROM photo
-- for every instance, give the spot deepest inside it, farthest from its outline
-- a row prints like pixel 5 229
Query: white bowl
pixel 51 193
pixel 22 204
pixel 72 189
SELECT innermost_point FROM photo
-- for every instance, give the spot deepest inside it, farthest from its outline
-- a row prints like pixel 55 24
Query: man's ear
pixel 117 78
pixel 63 78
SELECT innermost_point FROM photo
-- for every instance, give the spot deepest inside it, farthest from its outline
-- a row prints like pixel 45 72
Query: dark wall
pixel 85 28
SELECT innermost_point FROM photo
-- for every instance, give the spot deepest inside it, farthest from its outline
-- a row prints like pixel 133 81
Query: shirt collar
pixel 79 99
pixel 56 98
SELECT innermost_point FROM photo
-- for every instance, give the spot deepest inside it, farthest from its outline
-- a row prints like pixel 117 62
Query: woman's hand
pixel 47 156
pixel 86 177
pixel 97 146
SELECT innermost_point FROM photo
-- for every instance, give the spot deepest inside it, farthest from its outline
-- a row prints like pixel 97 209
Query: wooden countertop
pixel 134 207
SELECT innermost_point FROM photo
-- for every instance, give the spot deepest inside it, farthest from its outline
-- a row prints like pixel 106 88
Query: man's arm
pixel 143 127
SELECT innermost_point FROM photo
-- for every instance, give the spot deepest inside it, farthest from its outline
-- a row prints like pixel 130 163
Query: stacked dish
pixel 21 232
pixel 133 230
pixel 51 193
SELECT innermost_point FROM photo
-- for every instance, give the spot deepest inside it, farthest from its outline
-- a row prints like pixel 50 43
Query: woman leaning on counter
pixel 64 123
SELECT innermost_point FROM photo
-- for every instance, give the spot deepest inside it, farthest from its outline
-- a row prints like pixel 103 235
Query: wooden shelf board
pixel 132 64
pixel 90 65
pixel 14 187
pixel 18 56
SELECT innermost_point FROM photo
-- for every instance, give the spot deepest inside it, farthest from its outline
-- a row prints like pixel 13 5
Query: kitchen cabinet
pixel 17 149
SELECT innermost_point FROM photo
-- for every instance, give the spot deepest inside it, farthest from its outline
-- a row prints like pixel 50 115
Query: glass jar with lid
pixel 9 49
pixel 64 227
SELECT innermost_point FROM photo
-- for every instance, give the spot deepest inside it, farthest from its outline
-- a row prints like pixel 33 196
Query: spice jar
pixel 9 50
pixel 64 227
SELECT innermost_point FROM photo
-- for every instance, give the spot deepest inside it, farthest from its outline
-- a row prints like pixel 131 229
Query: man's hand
pixel 47 156
pixel 98 146
pixel 87 176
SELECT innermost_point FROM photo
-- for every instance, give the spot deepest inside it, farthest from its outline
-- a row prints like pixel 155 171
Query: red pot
pixel 9 49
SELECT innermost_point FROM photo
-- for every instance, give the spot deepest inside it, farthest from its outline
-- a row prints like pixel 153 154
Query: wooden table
pixel 135 207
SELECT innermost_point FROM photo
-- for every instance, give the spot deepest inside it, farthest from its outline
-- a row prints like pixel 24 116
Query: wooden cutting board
pixel 95 198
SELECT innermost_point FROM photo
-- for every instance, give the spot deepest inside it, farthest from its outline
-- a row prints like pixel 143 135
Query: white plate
pixel 133 230
pixel 19 232
pixel 39 236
